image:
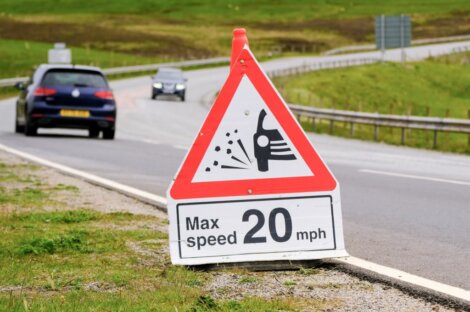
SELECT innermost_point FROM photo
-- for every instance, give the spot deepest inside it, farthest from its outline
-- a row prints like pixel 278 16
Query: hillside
pixel 149 31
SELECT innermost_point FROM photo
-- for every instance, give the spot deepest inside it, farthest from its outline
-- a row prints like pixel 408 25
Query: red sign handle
pixel 238 42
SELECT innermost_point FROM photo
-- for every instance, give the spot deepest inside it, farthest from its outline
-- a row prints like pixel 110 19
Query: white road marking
pixel 161 203
pixel 409 176
pixel 150 141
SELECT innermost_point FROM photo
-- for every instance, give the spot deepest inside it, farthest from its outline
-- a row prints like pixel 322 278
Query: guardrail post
pixel 446 134
pixel 468 115
pixel 376 132
pixel 434 142
pixel 313 123
pixel 352 128
pixel 403 136
pixel 331 125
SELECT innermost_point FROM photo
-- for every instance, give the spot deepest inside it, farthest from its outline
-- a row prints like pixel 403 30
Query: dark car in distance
pixel 66 96
pixel 169 81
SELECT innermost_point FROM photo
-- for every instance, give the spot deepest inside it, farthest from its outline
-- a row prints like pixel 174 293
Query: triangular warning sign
pixel 250 144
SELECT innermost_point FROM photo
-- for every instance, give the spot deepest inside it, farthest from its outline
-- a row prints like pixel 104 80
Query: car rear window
pixel 74 78
pixel 169 75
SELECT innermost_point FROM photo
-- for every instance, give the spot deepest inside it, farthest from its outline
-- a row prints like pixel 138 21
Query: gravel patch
pixel 88 196
pixel 349 293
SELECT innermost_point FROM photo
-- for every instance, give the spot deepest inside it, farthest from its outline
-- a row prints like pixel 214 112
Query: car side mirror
pixel 20 85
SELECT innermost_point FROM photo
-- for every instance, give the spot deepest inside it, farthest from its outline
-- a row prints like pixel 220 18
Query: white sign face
pixel 217 229
pixel 232 154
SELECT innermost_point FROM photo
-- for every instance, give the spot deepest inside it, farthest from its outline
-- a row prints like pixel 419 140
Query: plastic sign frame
pixel 259 219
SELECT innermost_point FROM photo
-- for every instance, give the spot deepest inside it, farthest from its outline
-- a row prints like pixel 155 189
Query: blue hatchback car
pixel 66 96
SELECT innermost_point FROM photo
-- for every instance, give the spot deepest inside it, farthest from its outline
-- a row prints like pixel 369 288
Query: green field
pixel 438 87
pixel 142 31
pixel 18 58
pixel 242 10
pixel 429 88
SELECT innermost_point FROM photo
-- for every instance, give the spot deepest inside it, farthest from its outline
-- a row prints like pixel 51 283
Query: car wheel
pixel 153 96
pixel 183 98
pixel 93 133
pixel 108 134
pixel 30 130
pixel 18 128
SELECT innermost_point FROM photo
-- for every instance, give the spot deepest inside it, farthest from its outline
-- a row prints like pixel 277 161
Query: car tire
pixel 153 97
pixel 183 98
pixel 18 128
pixel 93 133
pixel 30 130
pixel 108 134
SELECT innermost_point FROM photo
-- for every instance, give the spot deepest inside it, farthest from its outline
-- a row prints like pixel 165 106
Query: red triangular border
pixel 183 188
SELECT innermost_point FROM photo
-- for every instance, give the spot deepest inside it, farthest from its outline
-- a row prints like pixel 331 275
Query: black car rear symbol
pixel 269 144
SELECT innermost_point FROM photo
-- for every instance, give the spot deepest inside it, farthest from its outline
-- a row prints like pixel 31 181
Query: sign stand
pixel 252 187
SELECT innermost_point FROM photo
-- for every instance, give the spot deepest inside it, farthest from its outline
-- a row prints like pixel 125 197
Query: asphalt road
pixel 404 208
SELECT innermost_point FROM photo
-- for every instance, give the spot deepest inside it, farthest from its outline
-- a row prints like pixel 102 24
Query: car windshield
pixel 74 78
pixel 169 75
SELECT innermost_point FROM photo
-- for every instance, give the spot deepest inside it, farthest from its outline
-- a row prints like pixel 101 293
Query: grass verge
pixel 8 92
pixel 438 87
pixel 56 255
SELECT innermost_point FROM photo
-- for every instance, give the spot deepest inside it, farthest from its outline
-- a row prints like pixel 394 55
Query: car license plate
pixel 74 113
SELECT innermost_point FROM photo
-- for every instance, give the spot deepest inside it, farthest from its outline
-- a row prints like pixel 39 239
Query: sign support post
pixel 382 29
pixel 402 38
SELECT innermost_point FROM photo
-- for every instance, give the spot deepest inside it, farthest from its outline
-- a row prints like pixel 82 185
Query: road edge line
pixel 411 283
pixel 414 177
pixel 406 281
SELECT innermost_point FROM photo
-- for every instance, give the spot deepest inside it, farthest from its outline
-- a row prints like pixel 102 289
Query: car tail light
pixel 106 95
pixel 41 91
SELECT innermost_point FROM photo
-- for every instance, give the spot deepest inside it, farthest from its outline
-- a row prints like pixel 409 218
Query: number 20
pixel 251 239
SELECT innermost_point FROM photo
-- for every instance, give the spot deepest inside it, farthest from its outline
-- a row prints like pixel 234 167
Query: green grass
pixel 290 284
pixel 65 217
pixel 248 280
pixel 57 256
pixel 115 33
pixel 423 88
pixel 7 92
pixel 72 261
pixel 439 87
pixel 18 58
pixel 242 10
pixel 28 190
pixel 309 271
pixel 23 197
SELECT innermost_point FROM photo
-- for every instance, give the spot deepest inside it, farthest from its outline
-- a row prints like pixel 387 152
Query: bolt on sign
pixel 252 187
